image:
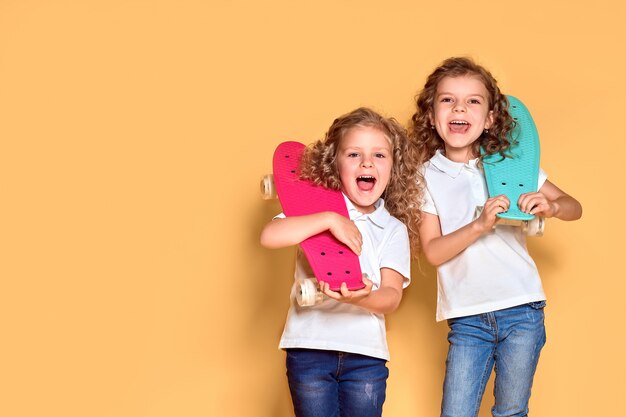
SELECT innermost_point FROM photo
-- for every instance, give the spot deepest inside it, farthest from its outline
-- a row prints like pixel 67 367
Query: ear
pixel 489 121
pixel 431 119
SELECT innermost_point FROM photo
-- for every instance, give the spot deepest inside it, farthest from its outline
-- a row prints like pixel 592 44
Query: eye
pixel 380 155
pixel 353 155
pixel 446 100
pixel 474 101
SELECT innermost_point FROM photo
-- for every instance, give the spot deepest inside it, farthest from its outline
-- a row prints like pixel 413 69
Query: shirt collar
pixel 379 216
pixel 453 169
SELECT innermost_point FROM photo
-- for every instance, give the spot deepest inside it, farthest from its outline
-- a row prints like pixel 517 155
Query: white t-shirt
pixel 333 325
pixel 494 272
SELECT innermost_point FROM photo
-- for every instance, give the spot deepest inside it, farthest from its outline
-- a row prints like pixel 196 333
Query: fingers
pixel 354 246
pixel 492 207
pixel 368 283
pixel 358 240
pixel 495 205
pixel 356 243
pixel 346 232
pixel 534 203
pixel 344 294
pixel 325 288
pixel 498 204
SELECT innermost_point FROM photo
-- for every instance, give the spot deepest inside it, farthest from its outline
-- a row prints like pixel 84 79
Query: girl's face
pixel 364 161
pixel 460 114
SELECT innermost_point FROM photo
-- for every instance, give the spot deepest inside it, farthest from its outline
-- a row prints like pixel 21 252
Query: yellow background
pixel 133 137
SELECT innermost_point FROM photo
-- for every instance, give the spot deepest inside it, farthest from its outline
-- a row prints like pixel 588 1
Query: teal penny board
pixel 519 173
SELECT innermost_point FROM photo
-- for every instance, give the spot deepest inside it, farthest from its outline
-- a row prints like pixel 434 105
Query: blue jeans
pixel 509 339
pixel 326 383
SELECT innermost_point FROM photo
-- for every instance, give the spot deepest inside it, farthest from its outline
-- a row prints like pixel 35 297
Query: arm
pixel 440 248
pixel 551 201
pixel 385 300
pixel 292 230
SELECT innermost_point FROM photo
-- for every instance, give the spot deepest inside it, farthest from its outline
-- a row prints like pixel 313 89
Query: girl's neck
pixel 459 155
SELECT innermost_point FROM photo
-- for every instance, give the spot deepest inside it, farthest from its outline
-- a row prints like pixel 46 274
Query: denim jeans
pixel 326 383
pixel 508 340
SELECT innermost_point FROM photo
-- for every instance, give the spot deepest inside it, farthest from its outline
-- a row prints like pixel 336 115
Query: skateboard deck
pixel 519 173
pixel 331 261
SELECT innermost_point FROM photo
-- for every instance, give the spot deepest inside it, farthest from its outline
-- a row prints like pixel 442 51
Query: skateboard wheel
pixel 535 226
pixel 308 293
pixel 268 191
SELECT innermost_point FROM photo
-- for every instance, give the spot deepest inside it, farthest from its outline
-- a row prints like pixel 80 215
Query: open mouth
pixel 459 126
pixel 365 182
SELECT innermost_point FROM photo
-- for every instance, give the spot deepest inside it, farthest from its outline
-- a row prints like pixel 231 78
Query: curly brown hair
pixel 427 139
pixel 405 188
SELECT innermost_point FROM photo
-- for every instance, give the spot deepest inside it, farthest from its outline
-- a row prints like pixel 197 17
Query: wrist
pixel 329 219
pixel 477 227
pixel 556 209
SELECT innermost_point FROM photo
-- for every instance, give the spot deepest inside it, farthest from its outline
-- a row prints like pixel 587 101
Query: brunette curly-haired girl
pixel 489 289
pixel 423 130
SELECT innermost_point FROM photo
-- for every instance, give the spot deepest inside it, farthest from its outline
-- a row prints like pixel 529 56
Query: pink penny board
pixel 330 260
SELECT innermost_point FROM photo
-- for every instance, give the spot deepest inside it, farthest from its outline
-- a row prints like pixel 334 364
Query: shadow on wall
pixel 418 346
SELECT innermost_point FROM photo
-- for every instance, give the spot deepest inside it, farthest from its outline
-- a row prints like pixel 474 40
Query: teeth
pixel 365 178
pixel 459 122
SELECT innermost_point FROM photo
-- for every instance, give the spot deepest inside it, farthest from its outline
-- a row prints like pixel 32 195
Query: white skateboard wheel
pixel 268 191
pixel 308 293
pixel 535 226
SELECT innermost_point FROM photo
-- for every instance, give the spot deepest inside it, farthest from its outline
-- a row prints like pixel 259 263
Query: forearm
pixel 382 301
pixel 443 248
pixel 385 300
pixel 567 208
pixel 289 231
pixel 551 201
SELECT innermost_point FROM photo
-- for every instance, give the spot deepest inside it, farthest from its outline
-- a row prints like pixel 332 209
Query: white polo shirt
pixel 493 273
pixel 333 325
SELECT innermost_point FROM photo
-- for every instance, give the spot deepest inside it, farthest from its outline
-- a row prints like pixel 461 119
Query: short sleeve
pixel 396 252
pixel 279 216
pixel 429 204
pixel 542 178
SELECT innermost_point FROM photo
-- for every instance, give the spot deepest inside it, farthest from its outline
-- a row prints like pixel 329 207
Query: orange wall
pixel 134 134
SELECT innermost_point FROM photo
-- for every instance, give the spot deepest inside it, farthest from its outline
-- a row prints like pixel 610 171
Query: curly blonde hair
pixel 427 139
pixel 405 188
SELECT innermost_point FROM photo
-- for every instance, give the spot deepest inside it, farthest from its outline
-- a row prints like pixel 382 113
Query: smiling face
pixel 460 114
pixel 364 161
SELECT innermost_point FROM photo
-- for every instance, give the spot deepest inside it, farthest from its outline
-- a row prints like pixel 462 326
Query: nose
pixel 366 162
pixel 459 106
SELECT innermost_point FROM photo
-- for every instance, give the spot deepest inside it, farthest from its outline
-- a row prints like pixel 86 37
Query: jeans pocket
pixel 537 305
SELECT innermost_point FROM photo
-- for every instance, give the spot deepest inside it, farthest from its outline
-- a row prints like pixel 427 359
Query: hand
pixel 345 295
pixel 346 232
pixel 493 206
pixel 537 203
